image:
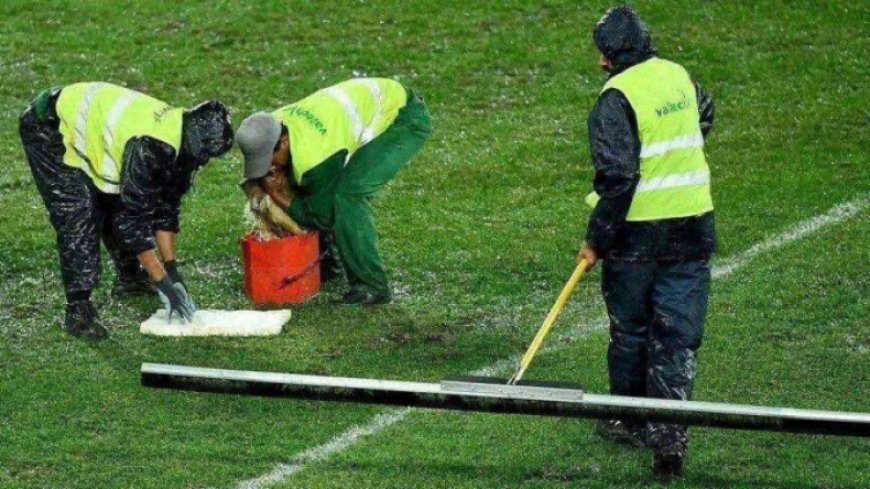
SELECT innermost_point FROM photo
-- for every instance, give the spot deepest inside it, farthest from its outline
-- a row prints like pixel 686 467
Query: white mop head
pixel 212 322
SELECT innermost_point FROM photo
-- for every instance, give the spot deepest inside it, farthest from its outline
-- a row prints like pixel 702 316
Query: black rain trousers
pixel 657 312
pixel 80 214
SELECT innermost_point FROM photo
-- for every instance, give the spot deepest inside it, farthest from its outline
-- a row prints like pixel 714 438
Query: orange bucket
pixel 281 271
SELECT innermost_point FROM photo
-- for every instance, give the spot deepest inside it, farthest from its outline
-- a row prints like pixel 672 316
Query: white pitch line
pixel 320 452
pixel 380 422
pixel 835 215
pixel 383 420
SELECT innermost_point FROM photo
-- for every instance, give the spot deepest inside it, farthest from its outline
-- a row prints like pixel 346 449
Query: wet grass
pixel 479 234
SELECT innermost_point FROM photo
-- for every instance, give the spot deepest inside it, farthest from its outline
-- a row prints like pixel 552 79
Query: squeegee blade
pixel 497 387
pixel 493 395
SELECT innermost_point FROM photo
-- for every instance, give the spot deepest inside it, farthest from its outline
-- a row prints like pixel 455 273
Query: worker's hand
pixel 588 254
pixel 175 300
pixel 252 189
pixel 275 182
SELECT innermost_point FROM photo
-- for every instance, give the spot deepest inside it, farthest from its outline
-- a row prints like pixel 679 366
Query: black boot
pixel 366 298
pixel 669 442
pixel 83 322
pixel 616 431
pixel 133 284
pixel 667 464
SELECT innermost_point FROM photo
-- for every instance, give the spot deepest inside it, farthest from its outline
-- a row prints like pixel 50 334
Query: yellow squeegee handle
pixel 549 321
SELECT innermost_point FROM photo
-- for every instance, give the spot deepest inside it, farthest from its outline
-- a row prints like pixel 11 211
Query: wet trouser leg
pixel 330 261
pixel 126 262
pixel 626 287
pixel 679 300
pixel 71 200
pixel 371 167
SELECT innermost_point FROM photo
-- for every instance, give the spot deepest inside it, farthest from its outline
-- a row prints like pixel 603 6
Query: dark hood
pixel 623 38
pixel 206 131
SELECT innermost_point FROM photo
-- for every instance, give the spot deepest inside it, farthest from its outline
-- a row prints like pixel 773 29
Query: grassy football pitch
pixel 479 234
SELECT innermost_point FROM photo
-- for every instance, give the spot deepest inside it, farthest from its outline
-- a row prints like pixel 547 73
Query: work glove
pixel 173 272
pixel 175 300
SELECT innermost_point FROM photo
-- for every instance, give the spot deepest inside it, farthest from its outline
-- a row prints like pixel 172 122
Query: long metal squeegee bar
pixel 493 395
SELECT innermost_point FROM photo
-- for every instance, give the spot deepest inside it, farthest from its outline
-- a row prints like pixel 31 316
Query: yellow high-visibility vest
pixel 674 176
pixel 98 119
pixel 345 116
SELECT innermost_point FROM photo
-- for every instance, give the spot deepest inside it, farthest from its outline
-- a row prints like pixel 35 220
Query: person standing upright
pixel 652 224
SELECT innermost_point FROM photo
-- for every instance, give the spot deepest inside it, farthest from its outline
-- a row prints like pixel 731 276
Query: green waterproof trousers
pixel 368 170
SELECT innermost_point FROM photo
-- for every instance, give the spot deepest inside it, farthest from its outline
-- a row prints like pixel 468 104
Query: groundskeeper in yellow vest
pixel 343 117
pixel 340 145
pixel 674 176
pixel 112 165
pixel 653 226
pixel 98 119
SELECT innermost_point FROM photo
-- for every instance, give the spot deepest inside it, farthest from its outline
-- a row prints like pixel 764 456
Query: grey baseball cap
pixel 257 137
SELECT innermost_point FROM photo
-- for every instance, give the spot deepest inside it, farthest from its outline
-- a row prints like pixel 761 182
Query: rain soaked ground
pixel 479 234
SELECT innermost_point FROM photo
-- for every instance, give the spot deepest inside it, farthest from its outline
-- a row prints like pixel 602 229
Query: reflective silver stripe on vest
pixel 350 108
pixel 377 96
pixel 681 142
pixel 109 129
pixel 80 142
pixel 701 177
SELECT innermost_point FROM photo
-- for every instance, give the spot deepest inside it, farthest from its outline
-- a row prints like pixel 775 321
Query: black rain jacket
pixel 615 148
pixel 153 181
